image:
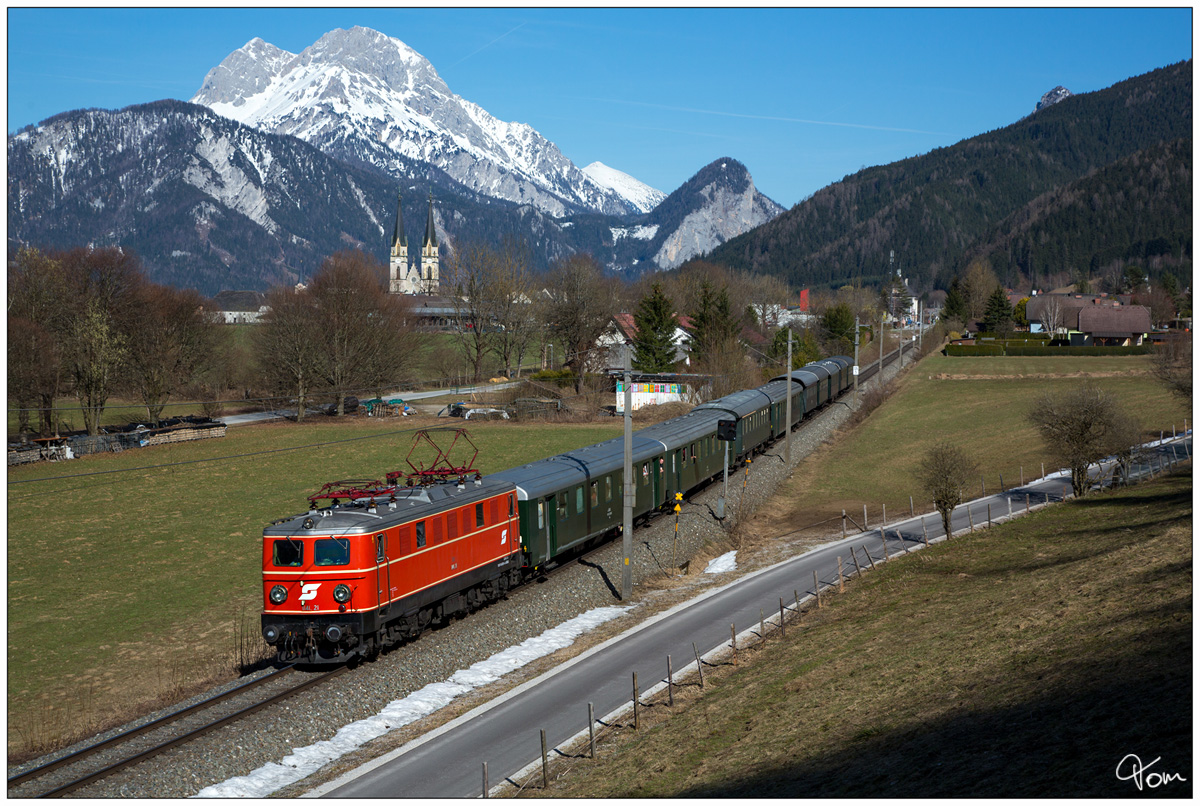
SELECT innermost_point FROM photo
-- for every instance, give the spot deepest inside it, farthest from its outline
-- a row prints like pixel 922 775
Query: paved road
pixel 505 732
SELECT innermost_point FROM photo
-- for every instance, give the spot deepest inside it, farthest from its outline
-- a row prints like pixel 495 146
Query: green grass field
pixel 980 403
pixel 132 577
pixel 131 570
pixel 1024 661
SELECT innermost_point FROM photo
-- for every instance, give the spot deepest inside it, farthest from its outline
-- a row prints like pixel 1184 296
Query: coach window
pixel 541 514
pixel 562 506
pixel 595 494
pixel 421 534
pixel 645 474
pixel 478 515
pixel 287 553
pixel 607 489
pixel 579 500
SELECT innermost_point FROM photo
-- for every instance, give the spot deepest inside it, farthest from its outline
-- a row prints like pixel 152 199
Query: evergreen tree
pixel 654 344
pixel 714 326
pixel 838 324
pixel 998 316
pixel 955 307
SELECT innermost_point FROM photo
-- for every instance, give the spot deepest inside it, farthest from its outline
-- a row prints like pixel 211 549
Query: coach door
pixel 383 572
pixel 554 510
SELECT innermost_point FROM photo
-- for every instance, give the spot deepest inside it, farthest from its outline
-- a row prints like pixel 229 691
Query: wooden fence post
pixel 1001 482
pixel 485 780
pixel 869 558
pixel 782 630
pixel 857 567
pixel 1026 503
pixel 762 625
pixel 1022 475
pixel 670 681
pixel 817 588
pixel 545 764
pixel 635 701
pixel 883 537
pixel 864 526
pixel 796 593
pixel 843 524
pixel 733 643
pixel 841 578
pixel 592 728
pixel 884 524
pixel 912 513
pixel 982 486
pixel 903 544
pixel 699 666
pixel 989 515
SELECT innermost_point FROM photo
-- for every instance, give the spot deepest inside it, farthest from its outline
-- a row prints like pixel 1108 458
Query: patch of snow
pixel 639 194
pixel 719 565
pixel 305 761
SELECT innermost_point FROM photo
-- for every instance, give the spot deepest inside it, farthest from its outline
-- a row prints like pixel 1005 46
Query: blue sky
pixel 802 97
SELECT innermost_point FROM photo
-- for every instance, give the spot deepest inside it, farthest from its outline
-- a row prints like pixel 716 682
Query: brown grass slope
pixel 1023 661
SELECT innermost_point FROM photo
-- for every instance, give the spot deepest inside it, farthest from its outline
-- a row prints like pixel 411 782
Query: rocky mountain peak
pixel 1055 95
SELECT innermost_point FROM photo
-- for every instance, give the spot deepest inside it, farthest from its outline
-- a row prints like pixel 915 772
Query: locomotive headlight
pixel 278 594
pixel 341 593
pixel 271 633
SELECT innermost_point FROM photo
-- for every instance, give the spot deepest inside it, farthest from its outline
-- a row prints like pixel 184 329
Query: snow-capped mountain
pixel 370 99
pixel 639 194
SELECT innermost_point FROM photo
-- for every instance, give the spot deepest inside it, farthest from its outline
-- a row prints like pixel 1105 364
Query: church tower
pixel 398 274
pixel 429 255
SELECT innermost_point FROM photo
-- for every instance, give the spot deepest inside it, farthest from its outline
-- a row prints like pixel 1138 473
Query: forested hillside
pixel 934 209
pixel 1137 208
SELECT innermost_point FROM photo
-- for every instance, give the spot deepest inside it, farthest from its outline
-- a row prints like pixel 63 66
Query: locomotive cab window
pixel 380 548
pixel 512 504
pixel 333 551
pixel 421 534
pixel 287 553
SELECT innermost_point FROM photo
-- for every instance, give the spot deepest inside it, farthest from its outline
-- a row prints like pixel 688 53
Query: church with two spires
pixel 420 274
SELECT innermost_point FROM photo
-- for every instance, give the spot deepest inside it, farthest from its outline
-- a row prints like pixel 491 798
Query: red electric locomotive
pixel 384 560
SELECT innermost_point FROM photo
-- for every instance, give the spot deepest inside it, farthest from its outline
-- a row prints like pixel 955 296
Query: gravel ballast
pixel 316 715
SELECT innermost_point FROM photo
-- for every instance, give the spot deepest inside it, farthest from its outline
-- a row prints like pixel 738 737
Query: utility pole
pixel 882 344
pixel 856 356
pixel 787 445
pixel 627 520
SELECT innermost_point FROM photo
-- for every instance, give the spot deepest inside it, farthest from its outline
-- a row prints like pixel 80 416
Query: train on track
pixel 373 563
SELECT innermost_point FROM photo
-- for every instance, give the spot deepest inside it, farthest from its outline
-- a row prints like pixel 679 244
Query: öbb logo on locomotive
pixel 376 562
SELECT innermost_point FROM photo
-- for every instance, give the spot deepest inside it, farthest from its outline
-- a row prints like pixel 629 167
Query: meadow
pixel 135 577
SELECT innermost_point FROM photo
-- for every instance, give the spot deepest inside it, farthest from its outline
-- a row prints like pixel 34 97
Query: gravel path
pixel 317 715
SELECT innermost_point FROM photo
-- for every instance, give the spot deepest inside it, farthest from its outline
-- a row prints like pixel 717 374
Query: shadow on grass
pixel 1060 742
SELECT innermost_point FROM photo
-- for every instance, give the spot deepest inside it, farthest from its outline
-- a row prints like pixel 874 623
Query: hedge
pixel 1000 349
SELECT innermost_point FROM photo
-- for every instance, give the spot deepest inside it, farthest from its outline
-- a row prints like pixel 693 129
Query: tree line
pixel 87 323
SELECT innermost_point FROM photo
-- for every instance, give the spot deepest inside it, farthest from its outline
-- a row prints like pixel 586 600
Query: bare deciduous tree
pixel 101 286
pixel 1172 365
pixel 942 473
pixel 171 338
pixel 470 277
pixel 287 345
pixel 1052 313
pixel 1080 427
pixel 363 339
pixel 582 302
pixel 36 320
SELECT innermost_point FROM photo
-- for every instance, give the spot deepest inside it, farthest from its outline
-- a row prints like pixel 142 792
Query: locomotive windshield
pixel 331 552
pixel 287 553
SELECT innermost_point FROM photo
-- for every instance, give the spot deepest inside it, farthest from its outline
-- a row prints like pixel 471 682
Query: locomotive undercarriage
pixel 337 638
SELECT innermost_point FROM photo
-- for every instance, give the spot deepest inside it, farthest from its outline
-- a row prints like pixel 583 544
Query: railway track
pixel 73 771
pixel 127 748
